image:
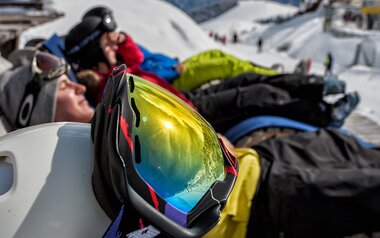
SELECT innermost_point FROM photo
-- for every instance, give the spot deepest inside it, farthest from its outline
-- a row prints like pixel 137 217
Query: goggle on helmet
pixel 155 155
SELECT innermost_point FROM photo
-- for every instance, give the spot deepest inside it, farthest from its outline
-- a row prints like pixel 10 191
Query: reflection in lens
pixel 46 61
pixel 48 66
pixel 180 153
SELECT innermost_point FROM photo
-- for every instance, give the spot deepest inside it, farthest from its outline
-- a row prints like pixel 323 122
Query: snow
pixel 161 27
pixel 305 37
pixel 242 17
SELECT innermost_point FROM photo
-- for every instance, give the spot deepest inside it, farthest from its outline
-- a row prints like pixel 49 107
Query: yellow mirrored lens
pixel 180 152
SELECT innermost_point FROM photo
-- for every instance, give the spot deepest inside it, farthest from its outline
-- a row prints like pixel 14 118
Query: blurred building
pixel 371 10
pixel 17 16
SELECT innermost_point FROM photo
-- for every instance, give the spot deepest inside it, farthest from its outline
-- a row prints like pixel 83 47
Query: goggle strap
pixel 84 42
pixel 27 104
pixel 115 230
pixel 231 157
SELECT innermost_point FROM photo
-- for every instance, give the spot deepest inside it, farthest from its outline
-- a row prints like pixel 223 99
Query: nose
pixel 78 88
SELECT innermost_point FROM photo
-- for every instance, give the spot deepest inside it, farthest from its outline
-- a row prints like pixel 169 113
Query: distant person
pixel 223 39
pixel 93 44
pixel 303 66
pixel 358 19
pixel 216 37
pixel 371 21
pixel 259 45
pixel 40 92
pixel 347 17
pixel 328 15
pixel 329 63
pixel 235 37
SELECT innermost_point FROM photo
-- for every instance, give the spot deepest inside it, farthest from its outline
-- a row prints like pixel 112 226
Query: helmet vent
pixel 6 174
pixel 137 150
pixel 131 84
pixel 136 111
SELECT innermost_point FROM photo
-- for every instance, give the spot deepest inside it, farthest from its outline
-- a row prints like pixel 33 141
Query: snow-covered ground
pixel 305 38
pixel 242 17
pixel 162 28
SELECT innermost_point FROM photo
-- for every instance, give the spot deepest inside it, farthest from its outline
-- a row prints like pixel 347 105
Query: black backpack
pixel 316 184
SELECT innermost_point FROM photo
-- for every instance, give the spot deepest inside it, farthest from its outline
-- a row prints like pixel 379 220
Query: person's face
pixel 71 103
pixel 108 43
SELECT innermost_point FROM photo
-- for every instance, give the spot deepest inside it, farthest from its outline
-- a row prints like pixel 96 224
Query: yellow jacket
pixel 215 64
pixel 235 215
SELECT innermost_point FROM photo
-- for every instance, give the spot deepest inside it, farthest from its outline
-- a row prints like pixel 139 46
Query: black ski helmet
pixel 156 160
pixel 98 11
pixel 102 12
pixel 82 42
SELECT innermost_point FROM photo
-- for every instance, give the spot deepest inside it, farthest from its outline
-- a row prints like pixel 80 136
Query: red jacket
pixel 132 57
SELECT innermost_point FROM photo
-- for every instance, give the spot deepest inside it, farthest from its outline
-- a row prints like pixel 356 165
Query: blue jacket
pixel 159 64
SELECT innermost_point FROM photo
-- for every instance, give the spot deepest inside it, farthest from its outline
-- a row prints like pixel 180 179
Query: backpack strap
pixel 262 122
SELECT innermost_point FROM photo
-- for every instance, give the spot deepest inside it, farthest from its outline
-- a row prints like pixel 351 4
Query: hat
pixel 24 101
pixel 82 41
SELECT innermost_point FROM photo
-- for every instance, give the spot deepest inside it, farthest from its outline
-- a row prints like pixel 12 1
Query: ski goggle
pixel 174 162
pixel 47 66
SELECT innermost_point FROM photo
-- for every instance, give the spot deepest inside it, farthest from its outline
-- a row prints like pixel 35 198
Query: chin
pixel 88 117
